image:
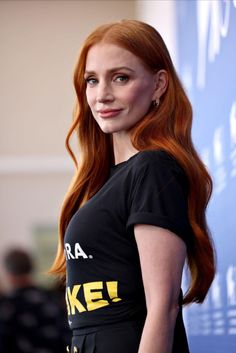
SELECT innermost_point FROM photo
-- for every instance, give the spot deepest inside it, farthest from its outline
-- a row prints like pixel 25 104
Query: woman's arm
pixel 162 255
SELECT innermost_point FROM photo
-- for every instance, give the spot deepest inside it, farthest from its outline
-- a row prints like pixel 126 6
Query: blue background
pixel 211 326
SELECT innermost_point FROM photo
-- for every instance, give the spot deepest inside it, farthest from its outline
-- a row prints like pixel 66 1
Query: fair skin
pixel 119 92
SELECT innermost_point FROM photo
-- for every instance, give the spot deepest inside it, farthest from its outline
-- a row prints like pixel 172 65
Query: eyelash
pixel 89 79
pixel 125 78
pixel 92 81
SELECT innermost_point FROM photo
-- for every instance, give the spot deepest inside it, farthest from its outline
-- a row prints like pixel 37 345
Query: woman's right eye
pixel 91 81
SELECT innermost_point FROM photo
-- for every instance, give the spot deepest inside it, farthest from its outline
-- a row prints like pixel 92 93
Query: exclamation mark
pixel 112 291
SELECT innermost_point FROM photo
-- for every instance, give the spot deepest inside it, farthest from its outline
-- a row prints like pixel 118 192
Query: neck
pixel 122 147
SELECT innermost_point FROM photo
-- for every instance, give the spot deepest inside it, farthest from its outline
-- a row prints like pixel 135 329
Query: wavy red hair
pixel 168 128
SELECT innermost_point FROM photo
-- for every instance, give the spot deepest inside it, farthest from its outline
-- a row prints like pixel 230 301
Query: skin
pixel 118 81
pixel 119 92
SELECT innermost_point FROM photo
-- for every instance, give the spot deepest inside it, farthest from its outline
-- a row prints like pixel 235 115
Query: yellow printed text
pixel 93 296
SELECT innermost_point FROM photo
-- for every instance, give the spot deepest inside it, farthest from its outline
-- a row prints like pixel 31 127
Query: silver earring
pixel 156 102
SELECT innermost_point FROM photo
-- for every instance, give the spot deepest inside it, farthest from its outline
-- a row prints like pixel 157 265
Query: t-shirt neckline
pixel 116 166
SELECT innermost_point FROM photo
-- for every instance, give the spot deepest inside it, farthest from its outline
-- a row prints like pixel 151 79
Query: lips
pixel 108 113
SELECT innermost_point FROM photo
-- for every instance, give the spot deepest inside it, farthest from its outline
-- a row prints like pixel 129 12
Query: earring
pixel 156 102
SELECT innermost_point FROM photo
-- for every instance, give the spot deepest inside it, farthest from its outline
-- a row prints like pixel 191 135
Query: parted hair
pixel 167 128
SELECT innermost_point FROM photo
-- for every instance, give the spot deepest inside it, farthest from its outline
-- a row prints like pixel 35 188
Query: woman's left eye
pixel 121 78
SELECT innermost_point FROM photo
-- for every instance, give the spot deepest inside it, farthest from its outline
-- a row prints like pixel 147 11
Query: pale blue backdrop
pixel 207 67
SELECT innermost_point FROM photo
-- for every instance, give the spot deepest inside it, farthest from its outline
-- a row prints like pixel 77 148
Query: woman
pixel 136 206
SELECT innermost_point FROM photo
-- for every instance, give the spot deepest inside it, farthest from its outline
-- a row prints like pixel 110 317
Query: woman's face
pixel 119 89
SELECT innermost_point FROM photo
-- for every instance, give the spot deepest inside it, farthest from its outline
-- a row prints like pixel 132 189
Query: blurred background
pixel 40 41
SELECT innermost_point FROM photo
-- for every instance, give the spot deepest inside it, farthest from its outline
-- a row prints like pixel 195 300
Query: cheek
pixel 139 95
pixel 89 97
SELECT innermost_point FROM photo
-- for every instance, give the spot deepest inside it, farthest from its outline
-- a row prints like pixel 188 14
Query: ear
pixel 161 83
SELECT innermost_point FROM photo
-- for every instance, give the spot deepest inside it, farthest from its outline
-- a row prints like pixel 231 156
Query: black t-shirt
pixel 104 282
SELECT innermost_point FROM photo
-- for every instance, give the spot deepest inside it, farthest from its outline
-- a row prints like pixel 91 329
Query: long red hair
pixel 167 128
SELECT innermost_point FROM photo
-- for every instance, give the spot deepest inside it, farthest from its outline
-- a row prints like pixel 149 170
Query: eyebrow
pixel 118 68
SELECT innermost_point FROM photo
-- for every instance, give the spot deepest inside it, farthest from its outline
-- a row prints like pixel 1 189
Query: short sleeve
pixel 159 195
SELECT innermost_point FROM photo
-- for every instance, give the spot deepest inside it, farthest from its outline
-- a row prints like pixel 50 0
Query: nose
pixel 104 93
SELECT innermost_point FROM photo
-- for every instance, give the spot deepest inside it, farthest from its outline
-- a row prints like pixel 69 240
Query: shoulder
pixel 155 156
pixel 156 161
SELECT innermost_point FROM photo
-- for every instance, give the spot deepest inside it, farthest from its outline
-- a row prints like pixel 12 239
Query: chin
pixel 115 128
pixel 110 129
pixel 106 130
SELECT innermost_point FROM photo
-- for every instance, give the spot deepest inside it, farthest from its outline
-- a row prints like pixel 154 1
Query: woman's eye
pixel 91 81
pixel 121 78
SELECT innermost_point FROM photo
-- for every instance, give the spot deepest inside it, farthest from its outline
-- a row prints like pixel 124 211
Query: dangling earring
pixel 155 103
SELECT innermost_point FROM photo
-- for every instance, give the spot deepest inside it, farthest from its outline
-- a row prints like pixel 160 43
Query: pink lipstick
pixel 108 113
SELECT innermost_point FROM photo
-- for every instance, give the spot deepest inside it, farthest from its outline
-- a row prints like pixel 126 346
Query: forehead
pixel 107 56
